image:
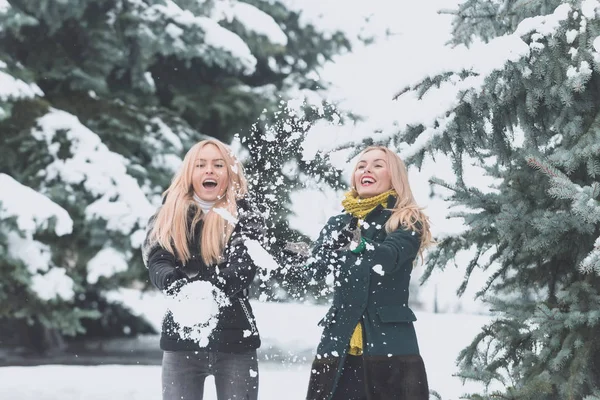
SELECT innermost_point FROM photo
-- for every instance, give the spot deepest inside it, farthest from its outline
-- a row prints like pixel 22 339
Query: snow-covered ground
pixel 290 328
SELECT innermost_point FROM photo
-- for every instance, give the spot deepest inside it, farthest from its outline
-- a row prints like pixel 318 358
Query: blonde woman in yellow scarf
pixel 369 348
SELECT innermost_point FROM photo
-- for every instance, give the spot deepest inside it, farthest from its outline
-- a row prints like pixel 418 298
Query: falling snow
pixel 378 269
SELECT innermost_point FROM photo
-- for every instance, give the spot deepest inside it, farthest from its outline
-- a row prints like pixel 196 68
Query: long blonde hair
pixel 406 212
pixel 172 227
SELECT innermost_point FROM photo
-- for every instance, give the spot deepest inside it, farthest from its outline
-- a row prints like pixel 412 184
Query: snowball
pixel 195 309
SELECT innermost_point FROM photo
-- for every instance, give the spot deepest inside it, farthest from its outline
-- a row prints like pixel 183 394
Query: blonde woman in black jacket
pixel 201 233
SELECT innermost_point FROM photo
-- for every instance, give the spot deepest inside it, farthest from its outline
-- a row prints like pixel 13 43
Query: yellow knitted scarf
pixel 360 208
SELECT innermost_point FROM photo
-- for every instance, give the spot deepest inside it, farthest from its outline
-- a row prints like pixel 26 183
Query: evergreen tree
pixel 532 123
pixel 100 99
pixel 33 287
pixel 485 20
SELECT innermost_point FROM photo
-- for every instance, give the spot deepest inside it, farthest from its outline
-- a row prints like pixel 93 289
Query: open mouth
pixel 367 181
pixel 209 183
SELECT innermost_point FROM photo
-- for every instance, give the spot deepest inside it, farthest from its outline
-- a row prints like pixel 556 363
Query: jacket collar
pixel 391 202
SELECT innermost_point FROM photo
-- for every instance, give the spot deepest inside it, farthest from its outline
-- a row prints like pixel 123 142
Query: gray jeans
pixel 183 374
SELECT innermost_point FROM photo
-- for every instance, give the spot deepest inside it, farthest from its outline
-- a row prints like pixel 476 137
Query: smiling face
pixel 210 177
pixel 372 174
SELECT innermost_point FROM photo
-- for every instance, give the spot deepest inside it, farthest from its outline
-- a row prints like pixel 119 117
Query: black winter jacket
pixel 233 276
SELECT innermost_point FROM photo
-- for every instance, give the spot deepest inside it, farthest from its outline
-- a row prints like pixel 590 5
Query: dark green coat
pixel 371 288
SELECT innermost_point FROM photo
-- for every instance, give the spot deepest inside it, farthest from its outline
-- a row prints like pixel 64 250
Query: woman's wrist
pixel 360 246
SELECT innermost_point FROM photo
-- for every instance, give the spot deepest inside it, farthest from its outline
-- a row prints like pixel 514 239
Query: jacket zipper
pixel 250 321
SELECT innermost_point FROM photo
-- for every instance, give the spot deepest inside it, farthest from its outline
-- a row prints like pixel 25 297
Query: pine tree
pixel 531 122
pixel 485 20
pixel 33 287
pixel 100 99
